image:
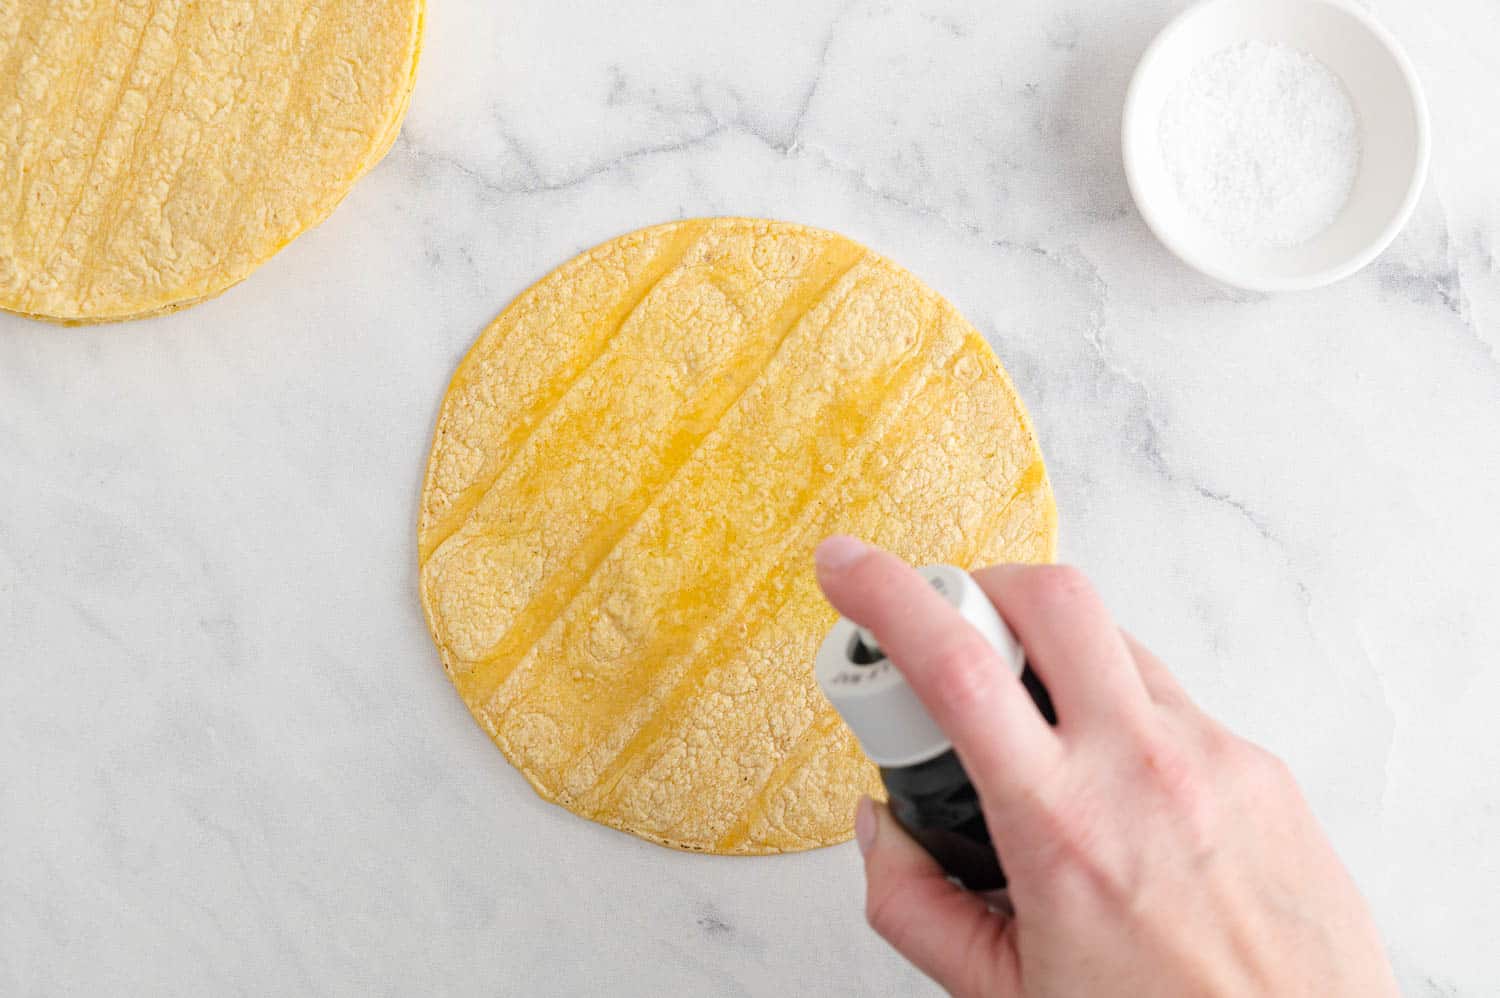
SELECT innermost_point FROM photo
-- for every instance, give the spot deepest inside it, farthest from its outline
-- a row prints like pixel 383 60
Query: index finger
pixel 976 699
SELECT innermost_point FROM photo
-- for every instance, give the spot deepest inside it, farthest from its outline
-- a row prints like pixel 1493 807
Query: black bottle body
pixel 937 804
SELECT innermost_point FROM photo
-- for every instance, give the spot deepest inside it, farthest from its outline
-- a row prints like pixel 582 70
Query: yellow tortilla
pixel 155 152
pixel 630 471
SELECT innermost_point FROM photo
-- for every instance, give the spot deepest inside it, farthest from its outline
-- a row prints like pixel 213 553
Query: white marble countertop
pixel 229 760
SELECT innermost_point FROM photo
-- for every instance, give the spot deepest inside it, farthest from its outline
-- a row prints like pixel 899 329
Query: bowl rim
pixel 1251 281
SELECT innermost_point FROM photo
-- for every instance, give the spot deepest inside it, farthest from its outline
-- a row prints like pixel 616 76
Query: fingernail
pixel 840 551
pixel 864 824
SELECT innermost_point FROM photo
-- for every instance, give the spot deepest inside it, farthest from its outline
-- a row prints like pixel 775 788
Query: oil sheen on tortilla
pixel 630 471
pixel 155 152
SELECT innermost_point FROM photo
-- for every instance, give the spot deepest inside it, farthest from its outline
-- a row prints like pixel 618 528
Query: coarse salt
pixel 1262 143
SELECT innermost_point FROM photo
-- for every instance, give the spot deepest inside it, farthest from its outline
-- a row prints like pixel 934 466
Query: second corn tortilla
pixel 155 152
pixel 630 471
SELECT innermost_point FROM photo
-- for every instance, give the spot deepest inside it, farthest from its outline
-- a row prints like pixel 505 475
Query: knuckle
pixel 1036 802
pixel 1172 762
pixel 873 597
pixel 1072 831
pixel 882 587
pixel 1069 830
pixel 963 680
pixel 1180 779
pixel 1064 819
pixel 1218 743
pixel 1167 765
pixel 1052 585
pixel 883 908
pixel 1181 782
pixel 1265 768
pixel 883 570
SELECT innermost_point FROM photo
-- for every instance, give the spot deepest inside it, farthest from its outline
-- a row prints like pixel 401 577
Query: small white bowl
pixel 1393 118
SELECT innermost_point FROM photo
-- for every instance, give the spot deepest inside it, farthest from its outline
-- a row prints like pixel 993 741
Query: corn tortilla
pixel 630 470
pixel 155 152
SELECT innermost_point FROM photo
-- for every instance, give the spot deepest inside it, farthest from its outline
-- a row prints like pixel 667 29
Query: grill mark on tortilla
pixel 662 267
pixel 491 671
pixel 680 681
pixel 684 693
pixel 81 192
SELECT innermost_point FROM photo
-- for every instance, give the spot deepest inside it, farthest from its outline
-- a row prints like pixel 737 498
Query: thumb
pixel 950 934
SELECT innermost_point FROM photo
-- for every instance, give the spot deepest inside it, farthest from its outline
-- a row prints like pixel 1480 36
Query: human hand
pixel 1149 850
